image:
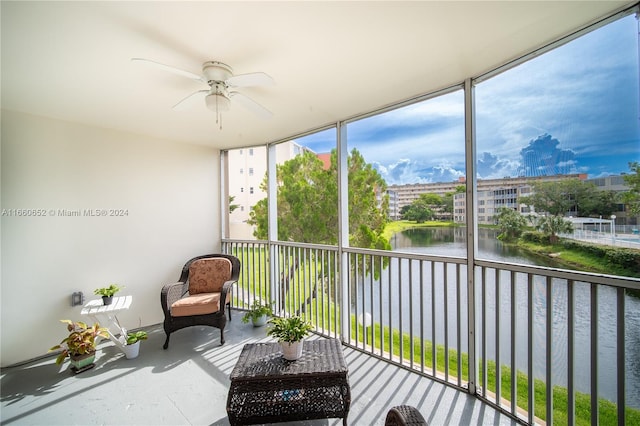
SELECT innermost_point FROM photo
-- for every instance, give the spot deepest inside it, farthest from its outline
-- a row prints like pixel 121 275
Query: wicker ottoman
pixel 404 415
pixel 266 388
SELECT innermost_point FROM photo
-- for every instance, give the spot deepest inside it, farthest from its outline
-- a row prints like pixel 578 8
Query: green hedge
pixel 535 237
pixel 616 256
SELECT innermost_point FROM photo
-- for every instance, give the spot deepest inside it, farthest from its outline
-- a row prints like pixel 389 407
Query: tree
pixel 418 212
pixel 232 207
pixel 307 201
pixel 307 208
pixel 598 203
pixel 570 196
pixel 368 202
pixel 447 200
pixel 632 196
pixel 423 208
pixel 555 198
pixel 551 226
pixel 431 200
pixel 510 223
pixel 404 209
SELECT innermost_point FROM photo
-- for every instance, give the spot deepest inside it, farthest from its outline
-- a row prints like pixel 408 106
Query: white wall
pixel 168 189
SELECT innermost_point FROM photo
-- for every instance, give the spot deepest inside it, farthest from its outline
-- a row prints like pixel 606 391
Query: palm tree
pixel 551 226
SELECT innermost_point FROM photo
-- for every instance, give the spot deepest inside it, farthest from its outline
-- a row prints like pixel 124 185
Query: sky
pixel 574 109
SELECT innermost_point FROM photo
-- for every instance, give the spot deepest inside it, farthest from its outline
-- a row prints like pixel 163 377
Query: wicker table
pixel 266 388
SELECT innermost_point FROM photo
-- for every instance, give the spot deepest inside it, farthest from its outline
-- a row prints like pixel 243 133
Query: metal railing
pixel 550 339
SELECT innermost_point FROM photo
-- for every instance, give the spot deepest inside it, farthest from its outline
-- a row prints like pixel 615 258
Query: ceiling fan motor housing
pixel 216 72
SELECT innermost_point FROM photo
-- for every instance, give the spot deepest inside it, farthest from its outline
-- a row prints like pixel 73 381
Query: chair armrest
pixel 170 293
pixel 226 288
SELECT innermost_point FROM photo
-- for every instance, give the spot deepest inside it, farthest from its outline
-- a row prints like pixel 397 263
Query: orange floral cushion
pixel 209 275
pixel 199 304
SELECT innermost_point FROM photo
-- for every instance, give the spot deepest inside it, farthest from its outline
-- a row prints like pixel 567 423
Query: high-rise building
pixel 247 171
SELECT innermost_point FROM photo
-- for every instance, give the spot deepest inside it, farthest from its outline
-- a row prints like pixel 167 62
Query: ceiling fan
pixel 220 79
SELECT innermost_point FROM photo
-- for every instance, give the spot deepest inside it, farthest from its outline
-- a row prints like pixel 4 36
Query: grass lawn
pixel 423 350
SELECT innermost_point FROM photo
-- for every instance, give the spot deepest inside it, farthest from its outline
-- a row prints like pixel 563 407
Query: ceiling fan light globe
pixel 216 102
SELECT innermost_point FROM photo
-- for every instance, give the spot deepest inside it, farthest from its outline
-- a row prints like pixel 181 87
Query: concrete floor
pixel 187 384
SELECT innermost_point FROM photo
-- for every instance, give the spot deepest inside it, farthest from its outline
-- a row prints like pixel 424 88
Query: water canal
pixel 451 242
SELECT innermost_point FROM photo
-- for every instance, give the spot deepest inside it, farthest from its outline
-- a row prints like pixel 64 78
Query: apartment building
pixel 248 166
pixel 492 194
pixel 408 193
pixel 617 184
pixel 394 210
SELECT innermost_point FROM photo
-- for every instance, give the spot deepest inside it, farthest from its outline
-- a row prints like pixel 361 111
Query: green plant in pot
pixel 107 293
pixel 289 332
pixel 131 348
pixel 136 337
pixel 258 313
pixel 80 344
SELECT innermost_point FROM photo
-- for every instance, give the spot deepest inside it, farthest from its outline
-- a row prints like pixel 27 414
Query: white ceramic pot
pixel 131 351
pixel 259 322
pixel 291 351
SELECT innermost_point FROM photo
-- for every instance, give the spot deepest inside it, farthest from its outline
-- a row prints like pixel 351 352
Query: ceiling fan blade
pixel 190 100
pixel 171 69
pixel 251 105
pixel 251 79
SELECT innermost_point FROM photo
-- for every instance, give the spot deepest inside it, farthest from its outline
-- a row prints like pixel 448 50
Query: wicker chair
pixel 201 295
pixel 404 415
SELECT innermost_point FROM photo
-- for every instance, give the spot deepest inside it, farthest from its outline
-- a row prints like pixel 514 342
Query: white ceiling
pixel 330 60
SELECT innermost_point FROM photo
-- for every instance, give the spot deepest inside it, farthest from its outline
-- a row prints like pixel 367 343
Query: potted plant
pixel 289 332
pixel 80 344
pixel 132 343
pixel 107 293
pixel 258 313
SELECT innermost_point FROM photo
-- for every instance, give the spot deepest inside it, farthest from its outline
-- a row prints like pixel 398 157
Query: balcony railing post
pixel 594 354
pixel 470 167
pixel 530 341
pixel 343 227
pixel 620 355
pixel 571 309
pixel 345 323
pixel 549 350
